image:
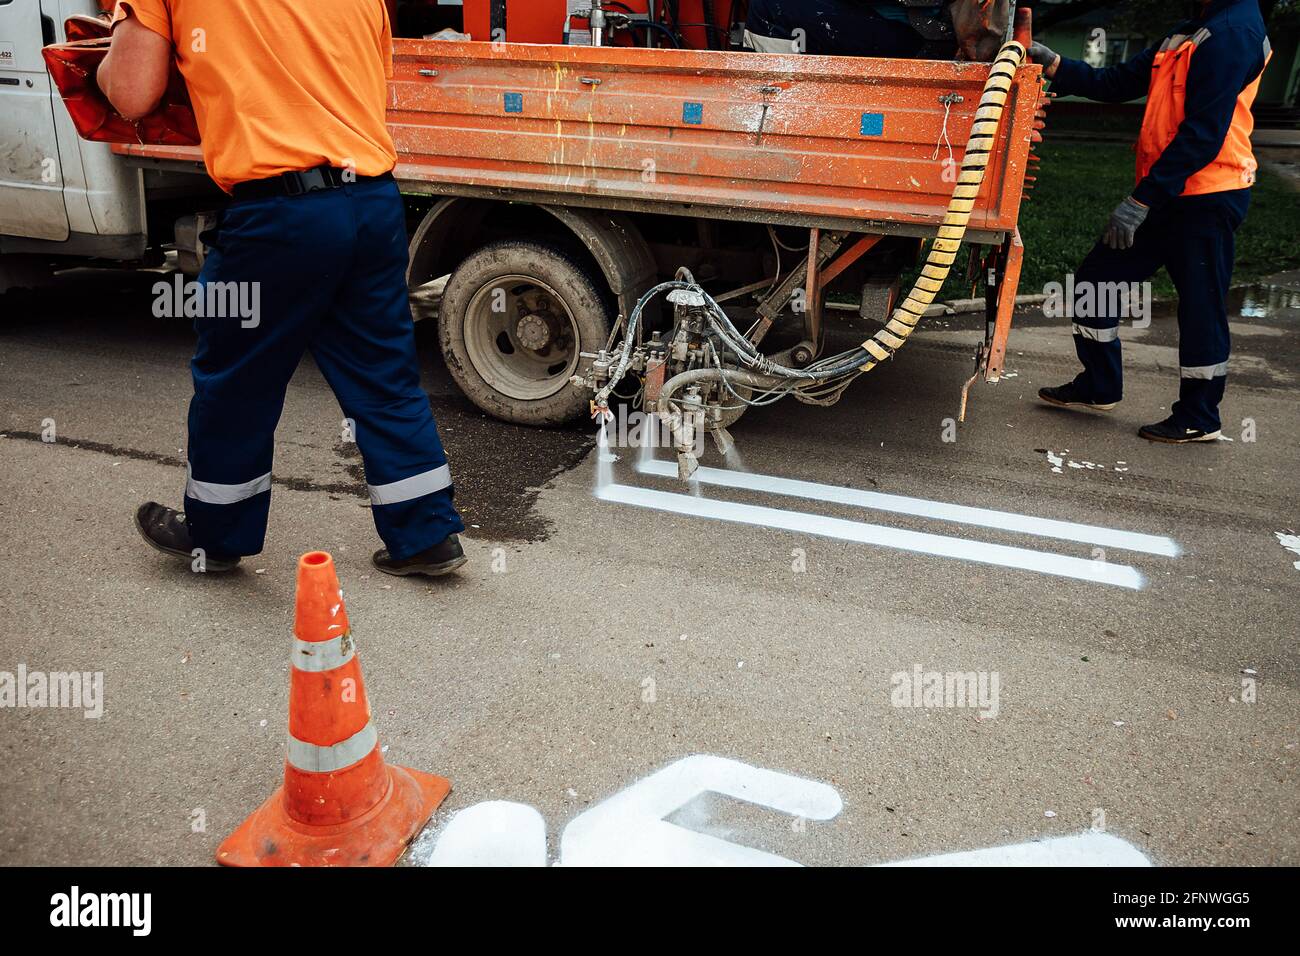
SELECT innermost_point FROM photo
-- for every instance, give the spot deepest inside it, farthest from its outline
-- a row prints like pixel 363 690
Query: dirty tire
pixel 561 302
pixel 733 415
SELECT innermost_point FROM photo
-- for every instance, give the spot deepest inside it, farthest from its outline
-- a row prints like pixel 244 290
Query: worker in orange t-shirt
pixel 290 102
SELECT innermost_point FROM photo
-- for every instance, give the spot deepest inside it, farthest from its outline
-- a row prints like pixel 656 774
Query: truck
pixel 550 186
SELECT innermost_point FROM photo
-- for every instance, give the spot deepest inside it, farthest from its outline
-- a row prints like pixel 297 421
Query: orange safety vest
pixel 1235 166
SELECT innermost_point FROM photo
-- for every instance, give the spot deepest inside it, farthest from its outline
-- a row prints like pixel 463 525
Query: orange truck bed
pixel 829 142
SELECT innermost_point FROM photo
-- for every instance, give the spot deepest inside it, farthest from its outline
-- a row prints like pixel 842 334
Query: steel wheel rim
pixel 498 340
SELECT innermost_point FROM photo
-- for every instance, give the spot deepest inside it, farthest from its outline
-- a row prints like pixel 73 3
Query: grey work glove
pixel 1124 222
pixel 1046 57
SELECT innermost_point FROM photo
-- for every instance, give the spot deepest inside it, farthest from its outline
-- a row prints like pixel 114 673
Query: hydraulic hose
pixel 905 318
pixel 939 262
pixel 697 375
pixel 601 401
pixel 710 25
pixel 658 28
pixel 943 251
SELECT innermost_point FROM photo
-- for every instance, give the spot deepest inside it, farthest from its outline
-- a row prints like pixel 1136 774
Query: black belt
pixel 301 182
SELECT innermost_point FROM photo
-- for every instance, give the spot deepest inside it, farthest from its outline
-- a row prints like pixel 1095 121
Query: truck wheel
pixel 514 319
pixel 736 409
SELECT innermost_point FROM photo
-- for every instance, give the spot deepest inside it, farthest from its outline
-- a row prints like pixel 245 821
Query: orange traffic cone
pixel 340 805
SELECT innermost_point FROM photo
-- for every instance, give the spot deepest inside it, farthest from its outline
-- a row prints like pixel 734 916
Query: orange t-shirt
pixel 280 85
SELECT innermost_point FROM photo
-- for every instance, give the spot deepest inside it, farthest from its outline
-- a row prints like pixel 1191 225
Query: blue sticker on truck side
pixel 514 102
pixel 873 124
pixel 693 113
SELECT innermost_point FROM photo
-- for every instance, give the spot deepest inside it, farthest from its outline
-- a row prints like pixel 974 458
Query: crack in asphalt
pixel 495 493
pixel 117 451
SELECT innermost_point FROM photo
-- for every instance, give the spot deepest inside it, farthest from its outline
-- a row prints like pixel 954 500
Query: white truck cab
pixel 62 198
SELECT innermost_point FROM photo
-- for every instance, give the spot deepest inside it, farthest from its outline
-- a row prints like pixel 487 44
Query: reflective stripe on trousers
pixel 1097 335
pixel 417 486
pixel 1207 372
pixel 213 493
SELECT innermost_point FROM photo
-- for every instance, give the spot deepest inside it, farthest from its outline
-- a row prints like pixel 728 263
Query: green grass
pixel 1081 182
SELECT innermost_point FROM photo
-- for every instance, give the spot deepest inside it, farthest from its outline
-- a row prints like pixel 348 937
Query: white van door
pixel 31 181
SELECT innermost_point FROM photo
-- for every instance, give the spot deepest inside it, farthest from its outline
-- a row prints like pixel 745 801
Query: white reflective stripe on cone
pixel 317 656
pixel 215 494
pixel 1097 335
pixel 312 758
pixel 417 486
pixel 1205 371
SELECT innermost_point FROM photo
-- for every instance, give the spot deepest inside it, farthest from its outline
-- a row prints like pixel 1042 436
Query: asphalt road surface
pixel 1149 695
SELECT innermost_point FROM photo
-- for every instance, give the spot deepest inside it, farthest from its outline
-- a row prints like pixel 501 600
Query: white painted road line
pixel 1082 849
pixel 921 508
pixel 1083 569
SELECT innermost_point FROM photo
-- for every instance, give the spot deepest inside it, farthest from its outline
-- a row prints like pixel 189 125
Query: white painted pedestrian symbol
pixel 632 827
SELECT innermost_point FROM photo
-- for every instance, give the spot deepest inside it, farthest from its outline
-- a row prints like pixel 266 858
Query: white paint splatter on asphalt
pixel 1291 542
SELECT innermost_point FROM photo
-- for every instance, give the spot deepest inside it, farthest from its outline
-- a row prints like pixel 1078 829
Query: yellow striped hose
pixel 943 250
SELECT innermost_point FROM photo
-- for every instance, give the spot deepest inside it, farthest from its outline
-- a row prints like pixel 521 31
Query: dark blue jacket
pixel 1224 65
pixel 836 27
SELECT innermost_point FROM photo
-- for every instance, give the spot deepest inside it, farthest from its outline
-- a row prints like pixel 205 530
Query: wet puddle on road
pixel 1265 301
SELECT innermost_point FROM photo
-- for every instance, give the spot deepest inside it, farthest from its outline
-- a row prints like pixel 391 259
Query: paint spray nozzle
pixel 687 465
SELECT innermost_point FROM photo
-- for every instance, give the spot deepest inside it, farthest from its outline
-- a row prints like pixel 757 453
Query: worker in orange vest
pixel 290 101
pixel 1195 168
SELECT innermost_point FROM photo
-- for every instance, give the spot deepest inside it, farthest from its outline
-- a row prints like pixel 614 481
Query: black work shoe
pixel 165 529
pixel 1069 396
pixel 440 559
pixel 1173 434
